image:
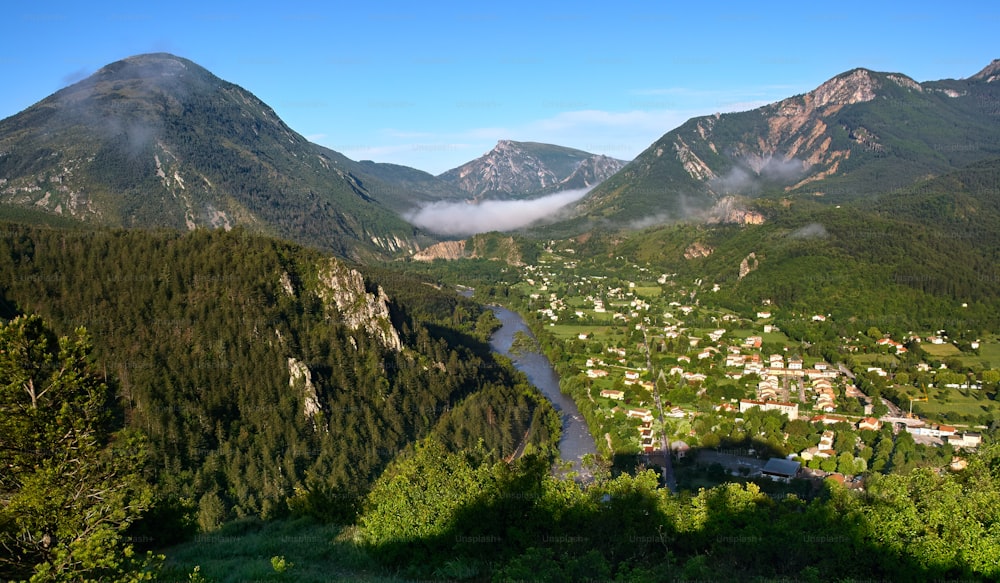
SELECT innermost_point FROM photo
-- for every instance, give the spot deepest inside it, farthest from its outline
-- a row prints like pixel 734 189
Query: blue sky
pixel 435 86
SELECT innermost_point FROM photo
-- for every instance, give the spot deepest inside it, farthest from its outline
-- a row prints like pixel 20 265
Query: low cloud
pixel 466 218
pixel 759 171
pixel 650 221
pixel 810 231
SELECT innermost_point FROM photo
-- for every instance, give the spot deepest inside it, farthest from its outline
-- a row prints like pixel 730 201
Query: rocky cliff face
pixel 730 211
pixel 696 250
pixel 299 373
pixel 517 169
pixel 343 289
pixel 447 250
pixel 487 246
pixel 748 264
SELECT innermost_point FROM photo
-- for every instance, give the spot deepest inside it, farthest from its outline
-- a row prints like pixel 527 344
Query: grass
pixel 989 356
pixel 871 358
pixel 940 350
pixel 990 352
pixel 242 551
pixel 570 331
pixel 956 402
pixel 647 291
pixel 765 337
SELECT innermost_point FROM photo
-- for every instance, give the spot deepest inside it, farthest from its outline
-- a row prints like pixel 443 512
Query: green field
pixel 571 331
pixel 990 352
pixel 943 401
pixel 989 356
pixel 871 358
pixel 650 291
pixel 940 350
pixel 766 338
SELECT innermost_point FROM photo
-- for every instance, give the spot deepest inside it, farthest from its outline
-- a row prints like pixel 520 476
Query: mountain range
pixel 859 134
pixel 158 141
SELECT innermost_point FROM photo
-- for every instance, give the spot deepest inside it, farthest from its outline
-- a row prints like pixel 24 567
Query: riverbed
pixel 576 440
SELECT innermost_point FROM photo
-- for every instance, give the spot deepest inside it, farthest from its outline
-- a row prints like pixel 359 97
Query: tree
pixel 72 483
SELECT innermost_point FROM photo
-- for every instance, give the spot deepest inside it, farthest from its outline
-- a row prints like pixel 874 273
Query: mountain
pixel 158 141
pixel 525 169
pixel 856 135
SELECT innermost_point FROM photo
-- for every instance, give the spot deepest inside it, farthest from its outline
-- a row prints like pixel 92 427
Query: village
pixel 655 365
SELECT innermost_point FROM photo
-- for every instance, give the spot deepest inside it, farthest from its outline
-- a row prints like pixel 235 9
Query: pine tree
pixel 71 484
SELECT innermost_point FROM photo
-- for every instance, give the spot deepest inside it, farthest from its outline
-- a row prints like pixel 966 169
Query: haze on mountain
pixel 860 134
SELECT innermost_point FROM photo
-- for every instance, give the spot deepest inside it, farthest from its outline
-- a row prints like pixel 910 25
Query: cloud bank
pixel 466 218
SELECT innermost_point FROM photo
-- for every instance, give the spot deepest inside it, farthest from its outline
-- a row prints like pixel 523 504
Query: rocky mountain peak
pixel 157 141
pixel 517 169
pixel 855 86
pixel 990 73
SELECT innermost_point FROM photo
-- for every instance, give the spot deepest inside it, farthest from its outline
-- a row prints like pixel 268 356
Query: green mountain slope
pixel 857 135
pixel 157 141
pixel 402 188
pixel 912 257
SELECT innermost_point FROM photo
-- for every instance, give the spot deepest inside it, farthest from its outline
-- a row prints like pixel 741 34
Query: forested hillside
pixel 269 377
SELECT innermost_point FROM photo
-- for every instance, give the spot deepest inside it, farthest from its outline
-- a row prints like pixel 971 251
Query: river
pixel 576 440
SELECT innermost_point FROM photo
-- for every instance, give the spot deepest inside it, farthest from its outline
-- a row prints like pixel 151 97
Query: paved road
pixel 894 411
pixel 668 469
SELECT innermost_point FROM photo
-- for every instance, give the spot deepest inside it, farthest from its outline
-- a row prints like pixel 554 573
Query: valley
pixel 766 348
pixel 626 338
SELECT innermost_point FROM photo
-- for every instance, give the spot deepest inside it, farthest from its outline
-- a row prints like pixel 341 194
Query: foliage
pixel 529 525
pixel 73 479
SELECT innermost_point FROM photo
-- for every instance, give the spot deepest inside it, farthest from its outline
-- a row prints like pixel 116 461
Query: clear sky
pixel 435 85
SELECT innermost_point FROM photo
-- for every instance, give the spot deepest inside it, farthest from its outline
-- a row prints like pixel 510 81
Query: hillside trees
pixel 72 478
pixel 198 329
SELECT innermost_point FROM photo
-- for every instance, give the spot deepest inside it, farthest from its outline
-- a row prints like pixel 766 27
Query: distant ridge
pixel 524 169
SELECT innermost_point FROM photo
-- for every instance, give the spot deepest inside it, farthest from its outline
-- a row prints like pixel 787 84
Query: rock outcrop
pixel 343 289
pixel 729 210
pixel 299 373
pixel 486 246
pixel 748 264
pixel 696 250
pixel 444 250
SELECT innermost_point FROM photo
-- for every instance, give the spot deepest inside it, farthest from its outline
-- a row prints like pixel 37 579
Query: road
pixel 668 469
